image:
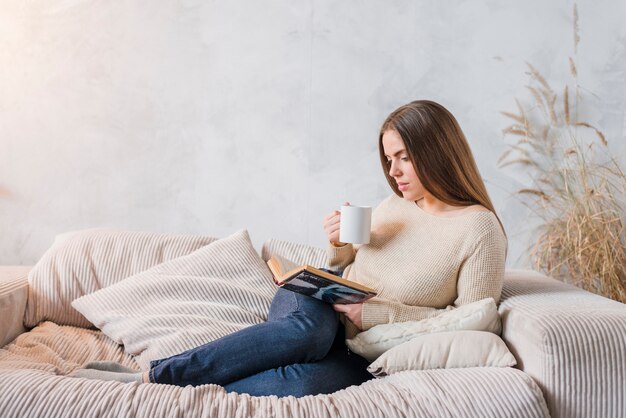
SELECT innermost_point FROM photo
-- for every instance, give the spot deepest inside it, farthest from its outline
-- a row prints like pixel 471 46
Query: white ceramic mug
pixel 355 225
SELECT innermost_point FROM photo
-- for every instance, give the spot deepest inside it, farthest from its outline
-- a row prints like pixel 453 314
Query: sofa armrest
pixel 572 342
pixel 13 296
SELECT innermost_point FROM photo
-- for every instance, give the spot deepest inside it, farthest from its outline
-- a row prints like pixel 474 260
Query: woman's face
pixel 400 166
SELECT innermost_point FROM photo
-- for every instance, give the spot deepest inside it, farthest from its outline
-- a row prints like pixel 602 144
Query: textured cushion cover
pixel 444 350
pixel 296 252
pixel 81 262
pixel 13 296
pixel 186 302
pixel 481 315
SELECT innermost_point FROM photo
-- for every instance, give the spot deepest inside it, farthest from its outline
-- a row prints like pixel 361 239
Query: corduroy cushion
pixel 82 262
pixel 444 350
pixel 186 302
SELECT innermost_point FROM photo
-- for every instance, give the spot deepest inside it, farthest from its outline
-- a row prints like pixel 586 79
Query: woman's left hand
pixel 352 312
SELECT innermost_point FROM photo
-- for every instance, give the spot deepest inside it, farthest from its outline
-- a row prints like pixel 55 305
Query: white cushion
pixel 81 262
pixel 186 302
pixel 478 316
pixel 444 350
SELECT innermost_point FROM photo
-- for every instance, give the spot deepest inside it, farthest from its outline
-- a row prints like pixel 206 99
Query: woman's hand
pixel 352 312
pixel 331 226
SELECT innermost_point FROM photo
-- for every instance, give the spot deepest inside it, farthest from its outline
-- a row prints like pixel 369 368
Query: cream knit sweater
pixel 421 264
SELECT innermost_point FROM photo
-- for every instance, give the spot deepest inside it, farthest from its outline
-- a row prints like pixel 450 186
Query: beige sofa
pixel 570 346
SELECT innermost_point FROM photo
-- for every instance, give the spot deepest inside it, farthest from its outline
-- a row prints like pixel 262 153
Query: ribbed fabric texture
pixel 183 303
pixel 82 262
pixel 32 385
pixel 12 277
pixel 572 342
pixel 13 294
pixel 421 264
pixel 298 253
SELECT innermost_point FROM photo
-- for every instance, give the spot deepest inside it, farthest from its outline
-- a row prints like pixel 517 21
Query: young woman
pixel 436 244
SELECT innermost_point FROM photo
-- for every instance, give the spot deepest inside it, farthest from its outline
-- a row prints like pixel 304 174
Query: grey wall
pixel 206 117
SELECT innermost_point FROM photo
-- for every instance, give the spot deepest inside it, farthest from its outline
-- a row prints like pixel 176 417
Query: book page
pixel 284 264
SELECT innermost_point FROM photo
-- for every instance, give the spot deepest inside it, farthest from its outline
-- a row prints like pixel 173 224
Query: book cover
pixel 317 283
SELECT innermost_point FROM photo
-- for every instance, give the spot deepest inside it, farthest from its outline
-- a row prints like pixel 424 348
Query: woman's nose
pixel 393 170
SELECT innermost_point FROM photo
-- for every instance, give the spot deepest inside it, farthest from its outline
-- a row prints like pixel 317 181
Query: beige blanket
pixel 33 384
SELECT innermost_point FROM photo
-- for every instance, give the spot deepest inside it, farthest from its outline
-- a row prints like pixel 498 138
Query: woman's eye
pixel 405 159
pixel 388 161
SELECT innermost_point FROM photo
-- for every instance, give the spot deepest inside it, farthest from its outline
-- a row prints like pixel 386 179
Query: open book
pixel 317 283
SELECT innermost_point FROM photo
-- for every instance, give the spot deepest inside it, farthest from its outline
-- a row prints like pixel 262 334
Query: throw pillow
pixel 481 315
pixel 296 252
pixel 82 262
pixel 444 350
pixel 185 302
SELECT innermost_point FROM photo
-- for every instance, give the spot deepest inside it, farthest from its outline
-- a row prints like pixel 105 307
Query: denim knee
pixel 312 324
pixel 314 334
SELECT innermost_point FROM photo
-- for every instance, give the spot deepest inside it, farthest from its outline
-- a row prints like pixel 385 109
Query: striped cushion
pixel 81 262
pixel 298 253
pixel 183 303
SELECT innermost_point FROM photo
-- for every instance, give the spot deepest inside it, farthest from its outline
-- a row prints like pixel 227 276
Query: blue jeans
pixel 338 370
pixel 300 350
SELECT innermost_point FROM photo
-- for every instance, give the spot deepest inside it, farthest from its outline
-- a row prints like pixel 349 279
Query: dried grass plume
pixel 579 189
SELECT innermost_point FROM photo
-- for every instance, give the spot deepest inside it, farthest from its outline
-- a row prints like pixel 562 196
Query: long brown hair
pixel 440 154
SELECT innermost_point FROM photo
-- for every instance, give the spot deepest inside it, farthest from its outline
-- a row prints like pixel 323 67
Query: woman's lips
pixel 403 186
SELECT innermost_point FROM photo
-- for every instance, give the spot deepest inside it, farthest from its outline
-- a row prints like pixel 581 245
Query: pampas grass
pixel 579 189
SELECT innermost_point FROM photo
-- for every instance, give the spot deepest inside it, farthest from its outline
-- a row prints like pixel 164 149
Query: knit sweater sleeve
pixel 382 311
pixel 340 257
pixel 480 276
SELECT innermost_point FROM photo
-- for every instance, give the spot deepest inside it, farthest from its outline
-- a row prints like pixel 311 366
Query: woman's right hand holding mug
pixel 331 227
